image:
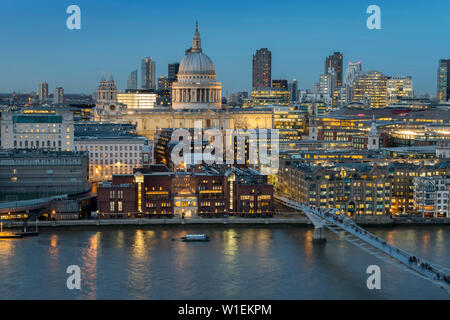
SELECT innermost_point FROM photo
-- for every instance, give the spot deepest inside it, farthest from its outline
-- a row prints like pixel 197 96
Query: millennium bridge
pixel 345 228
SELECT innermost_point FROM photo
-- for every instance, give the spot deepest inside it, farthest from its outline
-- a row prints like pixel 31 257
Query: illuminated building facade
pixel 138 99
pixel 291 122
pixel 353 188
pixel 205 192
pixel 196 86
pixel 43 91
pixel 111 154
pixel 398 88
pixel 432 196
pixel 280 84
pixel 37 128
pixel 443 83
pixel 58 96
pixel 335 62
pixel 370 89
pixel 268 97
pixel 262 69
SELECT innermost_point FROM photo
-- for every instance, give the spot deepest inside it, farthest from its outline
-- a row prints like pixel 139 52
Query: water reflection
pixel 139 247
pixel 120 239
pixel 7 251
pixel 238 263
pixel 53 251
pixel 426 242
pixel 89 257
pixel 309 243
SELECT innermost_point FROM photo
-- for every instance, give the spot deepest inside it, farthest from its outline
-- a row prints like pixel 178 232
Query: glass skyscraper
pixel 173 70
pixel 148 74
pixel 132 82
pixel 443 85
pixel 335 62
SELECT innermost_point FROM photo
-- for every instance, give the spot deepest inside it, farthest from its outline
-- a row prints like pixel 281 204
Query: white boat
pixel 195 237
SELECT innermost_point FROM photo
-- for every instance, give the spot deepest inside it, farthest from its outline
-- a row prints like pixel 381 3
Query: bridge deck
pixel 350 231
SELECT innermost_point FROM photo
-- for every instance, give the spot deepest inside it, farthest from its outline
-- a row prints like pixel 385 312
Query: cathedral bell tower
pixel 106 97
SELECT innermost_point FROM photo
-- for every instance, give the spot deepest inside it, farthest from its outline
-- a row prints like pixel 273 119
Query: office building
pixel 207 191
pixel 31 174
pixel 370 89
pixel 352 188
pixel 280 84
pixel 113 152
pixel 173 70
pixel 326 84
pixel 237 99
pixel 352 72
pixel 164 83
pixel 293 88
pixel 132 82
pixel 262 69
pixel 58 96
pixel 148 74
pixel 432 196
pixel 335 62
pixel 268 97
pixel 43 91
pixel 138 99
pixel 399 88
pixel 443 85
pixel 38 128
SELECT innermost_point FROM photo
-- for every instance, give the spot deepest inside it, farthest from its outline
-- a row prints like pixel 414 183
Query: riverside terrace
pixel 204 191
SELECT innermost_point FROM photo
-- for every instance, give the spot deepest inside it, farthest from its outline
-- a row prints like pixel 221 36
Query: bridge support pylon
pixel 319 234
pixel 319 227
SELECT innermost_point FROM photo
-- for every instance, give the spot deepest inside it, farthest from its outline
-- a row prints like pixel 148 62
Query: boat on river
pixel 195 237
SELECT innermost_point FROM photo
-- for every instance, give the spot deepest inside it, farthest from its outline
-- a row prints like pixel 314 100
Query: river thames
pixel 238 263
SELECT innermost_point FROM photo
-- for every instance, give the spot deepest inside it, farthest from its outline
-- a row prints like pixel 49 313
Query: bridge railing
pixel 420 265
pixel 30 203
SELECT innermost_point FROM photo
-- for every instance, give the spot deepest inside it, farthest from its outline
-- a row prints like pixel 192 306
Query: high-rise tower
pixel 335 62
pixel 132 82
pixel 148 70
pixel 443 84
pixel 43 91
pixel 262 69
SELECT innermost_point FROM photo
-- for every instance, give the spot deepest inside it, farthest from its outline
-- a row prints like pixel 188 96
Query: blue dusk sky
pixel 116 35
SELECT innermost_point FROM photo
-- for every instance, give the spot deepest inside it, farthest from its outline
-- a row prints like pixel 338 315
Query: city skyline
pixel 230 45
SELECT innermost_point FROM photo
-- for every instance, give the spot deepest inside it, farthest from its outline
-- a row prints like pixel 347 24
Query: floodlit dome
pixel 196 87
pixel 196 63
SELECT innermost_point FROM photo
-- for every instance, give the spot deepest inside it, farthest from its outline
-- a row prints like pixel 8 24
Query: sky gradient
pixel 116 35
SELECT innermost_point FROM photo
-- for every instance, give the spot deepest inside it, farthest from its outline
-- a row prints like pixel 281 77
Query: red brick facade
pixel 196 193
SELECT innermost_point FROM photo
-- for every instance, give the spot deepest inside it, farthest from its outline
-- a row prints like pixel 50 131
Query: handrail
pixel 33 202
pixel 427 269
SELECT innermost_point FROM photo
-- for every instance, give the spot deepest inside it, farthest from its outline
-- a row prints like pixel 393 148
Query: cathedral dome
pixel 196 63
pixel 196 87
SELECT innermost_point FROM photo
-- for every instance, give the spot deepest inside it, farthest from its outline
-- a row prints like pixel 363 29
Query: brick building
pixel 204 191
